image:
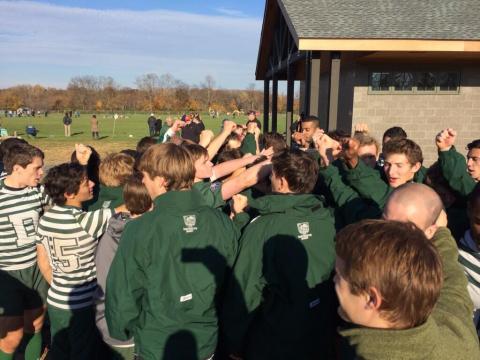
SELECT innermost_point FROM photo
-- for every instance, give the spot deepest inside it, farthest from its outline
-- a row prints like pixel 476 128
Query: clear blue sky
pixel 48 42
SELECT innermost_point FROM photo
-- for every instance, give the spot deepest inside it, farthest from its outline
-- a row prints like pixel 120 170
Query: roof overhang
pixel 387 45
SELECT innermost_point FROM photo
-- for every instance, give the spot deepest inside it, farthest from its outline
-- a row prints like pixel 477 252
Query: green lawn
pixel 128 131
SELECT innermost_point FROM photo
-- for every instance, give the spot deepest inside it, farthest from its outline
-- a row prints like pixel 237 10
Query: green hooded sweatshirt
pixel 163 282
pixel 109 197
pixel 349 206
pixel 212 195
pixel 278 304
pixel 249 144
pixel 454 170
pixel 447 334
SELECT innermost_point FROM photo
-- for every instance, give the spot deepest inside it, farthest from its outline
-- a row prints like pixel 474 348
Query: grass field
pixel 128 131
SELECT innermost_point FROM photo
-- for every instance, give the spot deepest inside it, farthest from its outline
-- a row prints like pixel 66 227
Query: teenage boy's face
pixel 203 168
pixel 473 164
pixel 85 191
pixel 32 173
pixel 308 129
pixel 398 170
pixel 352 307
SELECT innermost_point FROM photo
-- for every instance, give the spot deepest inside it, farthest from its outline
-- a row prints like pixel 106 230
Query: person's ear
pixel 416 167
pixel 430 231
pixel 283 183
pixel 160 182
pixel 374 299
pixel 69 196
pixel 16 168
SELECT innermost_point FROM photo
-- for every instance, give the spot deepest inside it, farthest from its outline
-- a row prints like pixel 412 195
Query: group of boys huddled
pixel 238 247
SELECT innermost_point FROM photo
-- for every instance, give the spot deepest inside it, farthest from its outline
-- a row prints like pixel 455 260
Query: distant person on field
pixel 94 126
pixel 152 122
pixel 193 127
pixel 252 117
pixel 163 130
pixel 67 123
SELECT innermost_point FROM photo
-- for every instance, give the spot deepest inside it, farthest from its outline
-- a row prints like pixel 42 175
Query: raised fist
pixel 361 128
pixel 229 126
pixel 445 139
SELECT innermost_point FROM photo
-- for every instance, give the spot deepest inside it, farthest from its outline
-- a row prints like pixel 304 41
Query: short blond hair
pixel 170 161
pixel 115 169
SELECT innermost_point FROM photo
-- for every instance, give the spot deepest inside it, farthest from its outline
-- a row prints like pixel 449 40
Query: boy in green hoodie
pixel 461 176
pixel 277 304
pixel 170 265
pixel 403 285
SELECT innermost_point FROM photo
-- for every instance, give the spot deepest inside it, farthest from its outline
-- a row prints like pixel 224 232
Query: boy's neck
pixel 73 202
pixel 13 182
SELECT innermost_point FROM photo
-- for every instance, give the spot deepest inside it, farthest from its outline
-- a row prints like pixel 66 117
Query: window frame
pixel 414 91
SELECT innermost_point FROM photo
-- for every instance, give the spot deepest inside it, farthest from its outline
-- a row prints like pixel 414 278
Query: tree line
pixel 152 93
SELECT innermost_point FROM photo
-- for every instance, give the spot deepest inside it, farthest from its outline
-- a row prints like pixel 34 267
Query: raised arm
pixel 452 163
pixel 246 179
pixel 217 142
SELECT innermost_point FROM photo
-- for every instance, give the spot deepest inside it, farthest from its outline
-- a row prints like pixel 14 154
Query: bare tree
pixel 149 83
pixel 209 85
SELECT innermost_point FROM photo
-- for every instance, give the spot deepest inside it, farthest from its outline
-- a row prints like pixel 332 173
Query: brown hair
pixel 367 140
pixel 229 155
pixel 409 148
pixel 196 151
pixel 298 168
pixel 144 143
pixel 398 260
pixel 135 194
pixel 115 169
pixel 171 162
pixel 20 154
pixel 275 140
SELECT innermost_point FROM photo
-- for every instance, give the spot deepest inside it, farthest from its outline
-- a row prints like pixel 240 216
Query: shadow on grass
pixel 103 137
pixel 77 133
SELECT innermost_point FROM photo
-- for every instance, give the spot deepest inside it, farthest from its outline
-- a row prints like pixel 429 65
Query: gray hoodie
pixel 107 247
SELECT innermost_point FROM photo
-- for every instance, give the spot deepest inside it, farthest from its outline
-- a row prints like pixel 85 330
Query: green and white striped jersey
pixel 70 237
pixel 20 210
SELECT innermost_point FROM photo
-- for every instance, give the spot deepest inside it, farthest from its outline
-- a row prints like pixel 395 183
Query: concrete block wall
pixel 422 116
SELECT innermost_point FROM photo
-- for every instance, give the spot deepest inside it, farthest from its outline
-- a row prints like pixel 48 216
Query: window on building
pixel 419 82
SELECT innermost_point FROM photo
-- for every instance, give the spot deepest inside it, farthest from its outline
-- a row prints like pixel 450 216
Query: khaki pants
pixel 67 130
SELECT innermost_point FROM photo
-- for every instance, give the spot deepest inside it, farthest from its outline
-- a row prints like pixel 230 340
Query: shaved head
pixel 413 202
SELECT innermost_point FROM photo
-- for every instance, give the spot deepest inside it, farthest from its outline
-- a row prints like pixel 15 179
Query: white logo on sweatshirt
pixel 190 221
pixel 304 230
pixel 186 297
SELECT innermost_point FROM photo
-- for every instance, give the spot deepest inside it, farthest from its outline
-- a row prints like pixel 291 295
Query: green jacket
pixel 249 145
pixel 277 304
pixel 108 197
pixel 212 196
pixel 448 333
pixel 163 282
pixel 454 170
pixel 370 185
pixel 349 205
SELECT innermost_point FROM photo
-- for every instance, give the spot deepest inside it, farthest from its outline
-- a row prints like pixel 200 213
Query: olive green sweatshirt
pixel 277 304
pixel 163 282
pixel 447 334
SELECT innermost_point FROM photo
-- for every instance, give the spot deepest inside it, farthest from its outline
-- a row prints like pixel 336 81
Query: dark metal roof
pixel 384 19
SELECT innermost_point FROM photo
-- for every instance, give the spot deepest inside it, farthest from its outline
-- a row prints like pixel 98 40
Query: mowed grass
pixel 124 134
